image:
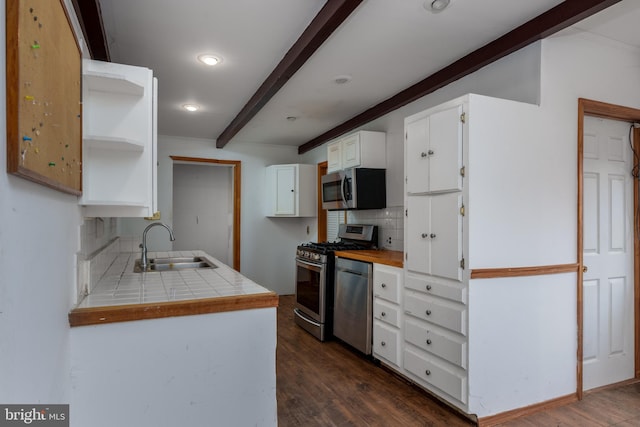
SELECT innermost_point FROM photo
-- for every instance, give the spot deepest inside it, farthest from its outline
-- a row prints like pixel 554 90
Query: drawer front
pixel 431 286
pixel 436 342
pixel 387 282
pixel 432 374
pixel 386 312
pixel 435 311
pixel 386 342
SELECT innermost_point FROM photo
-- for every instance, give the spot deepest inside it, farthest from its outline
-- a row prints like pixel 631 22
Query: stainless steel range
pixel 315 277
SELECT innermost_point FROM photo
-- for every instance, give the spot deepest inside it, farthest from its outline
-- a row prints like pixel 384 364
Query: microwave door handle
pixel 342 192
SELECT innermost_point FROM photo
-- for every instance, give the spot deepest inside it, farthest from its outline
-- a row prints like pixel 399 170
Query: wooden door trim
pixel 615 112
pixel 322 213
pixel 237 193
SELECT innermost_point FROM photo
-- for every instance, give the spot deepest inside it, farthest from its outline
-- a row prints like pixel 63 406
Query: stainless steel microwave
pixel 355 188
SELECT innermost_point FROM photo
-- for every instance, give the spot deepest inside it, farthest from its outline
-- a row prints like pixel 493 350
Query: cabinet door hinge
pixel 462 171
pixel 462 263
pixel 462 210
pixel 463 117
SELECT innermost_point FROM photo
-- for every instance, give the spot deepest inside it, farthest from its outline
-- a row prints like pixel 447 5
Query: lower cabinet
pixel 387 315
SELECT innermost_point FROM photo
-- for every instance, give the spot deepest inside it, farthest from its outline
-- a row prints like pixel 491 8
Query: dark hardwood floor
pixel 328 384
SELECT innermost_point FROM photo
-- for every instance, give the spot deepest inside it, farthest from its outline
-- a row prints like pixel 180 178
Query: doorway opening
pixel 588 108
pixel 234 191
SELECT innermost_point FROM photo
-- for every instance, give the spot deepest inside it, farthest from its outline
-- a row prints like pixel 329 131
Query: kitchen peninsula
pixel 178 347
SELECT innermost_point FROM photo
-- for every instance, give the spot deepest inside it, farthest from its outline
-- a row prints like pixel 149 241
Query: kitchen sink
pixel 175 263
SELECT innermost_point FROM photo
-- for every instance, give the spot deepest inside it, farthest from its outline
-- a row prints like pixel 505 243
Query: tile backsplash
pixel 390 222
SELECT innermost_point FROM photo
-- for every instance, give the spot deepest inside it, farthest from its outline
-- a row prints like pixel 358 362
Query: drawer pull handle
pixel 383 314
pixel 427 372
pixel 428 287
pixel 428 312
pixel 384 285
pixel 428 342
pixel 383 343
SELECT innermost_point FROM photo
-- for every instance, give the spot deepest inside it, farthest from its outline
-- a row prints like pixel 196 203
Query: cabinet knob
pixel 383 314
pixel 383 343
pixel 423 154
pixel 430 152
pixel 384 285
pixel 292 191
pixel 428 312
pixel 428 287
pixel 432 235
pixel 428 342
pixel 585 268
pixel 424 235
pixel 427 372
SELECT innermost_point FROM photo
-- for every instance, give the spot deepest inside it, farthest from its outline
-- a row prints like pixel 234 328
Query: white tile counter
pixel 123 295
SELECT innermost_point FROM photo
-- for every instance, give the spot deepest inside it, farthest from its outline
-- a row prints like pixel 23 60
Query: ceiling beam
pixel 555 19
pixel 332 14
pixel 90 18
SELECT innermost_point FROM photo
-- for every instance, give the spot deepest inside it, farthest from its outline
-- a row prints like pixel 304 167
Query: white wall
pixel 39 238
pixel 267 247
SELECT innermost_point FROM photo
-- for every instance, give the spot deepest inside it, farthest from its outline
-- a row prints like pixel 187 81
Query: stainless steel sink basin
pixel 175 263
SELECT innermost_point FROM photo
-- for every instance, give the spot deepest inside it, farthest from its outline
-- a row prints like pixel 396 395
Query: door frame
pixel 237 175
pixel 615 112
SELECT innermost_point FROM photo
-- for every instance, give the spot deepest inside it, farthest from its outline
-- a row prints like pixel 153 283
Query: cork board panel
pixel 44 111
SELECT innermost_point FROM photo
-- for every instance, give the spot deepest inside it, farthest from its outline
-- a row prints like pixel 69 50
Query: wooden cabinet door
pixel 445 150
pixel 351 151
pixel 418 246
pixel 417 162
pixel 446 235
pixel 285 186
pixel 334 156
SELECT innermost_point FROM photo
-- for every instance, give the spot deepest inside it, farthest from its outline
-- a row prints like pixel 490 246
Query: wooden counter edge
pixel 125 313
pixel 386 257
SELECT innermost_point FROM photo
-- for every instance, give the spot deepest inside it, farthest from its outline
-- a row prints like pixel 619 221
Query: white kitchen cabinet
pixel 387 315
pixel 366 149
pixel 434 151
pixel 472 196
pixel 119 140
pixel 434 238
pixel 291 190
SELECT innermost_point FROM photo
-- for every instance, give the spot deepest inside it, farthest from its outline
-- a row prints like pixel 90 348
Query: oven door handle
pixel 305 318
pixel 309 263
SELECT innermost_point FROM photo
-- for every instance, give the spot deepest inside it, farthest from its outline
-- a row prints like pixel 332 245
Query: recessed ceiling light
pixel 210 60
pixel 342 79
pixel 436 6
pixel 191 107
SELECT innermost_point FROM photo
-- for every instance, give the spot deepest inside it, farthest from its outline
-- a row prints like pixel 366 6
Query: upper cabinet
pixel 366 149
pixel 119 140
pixel 434 151
pixel 291 190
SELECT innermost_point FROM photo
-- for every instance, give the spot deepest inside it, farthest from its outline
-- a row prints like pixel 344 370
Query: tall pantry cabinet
pixel 466 162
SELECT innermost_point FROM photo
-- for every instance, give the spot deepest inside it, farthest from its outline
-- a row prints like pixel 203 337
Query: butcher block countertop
pixel 122 295
pixel 392 258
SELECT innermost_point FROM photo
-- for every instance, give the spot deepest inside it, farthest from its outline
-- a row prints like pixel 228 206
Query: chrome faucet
pixel 143 258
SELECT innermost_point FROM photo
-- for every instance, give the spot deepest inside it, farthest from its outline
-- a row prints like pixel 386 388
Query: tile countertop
pixel 122 295
pixel 392 258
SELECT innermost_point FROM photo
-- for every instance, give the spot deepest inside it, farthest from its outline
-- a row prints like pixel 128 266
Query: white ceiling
pixel 384 45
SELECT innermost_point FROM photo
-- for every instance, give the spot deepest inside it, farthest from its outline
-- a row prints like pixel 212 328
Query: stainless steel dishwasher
pixel 352 313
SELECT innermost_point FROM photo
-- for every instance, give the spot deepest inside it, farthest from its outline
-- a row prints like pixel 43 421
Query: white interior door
pixel 203 209
pixel 608 328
